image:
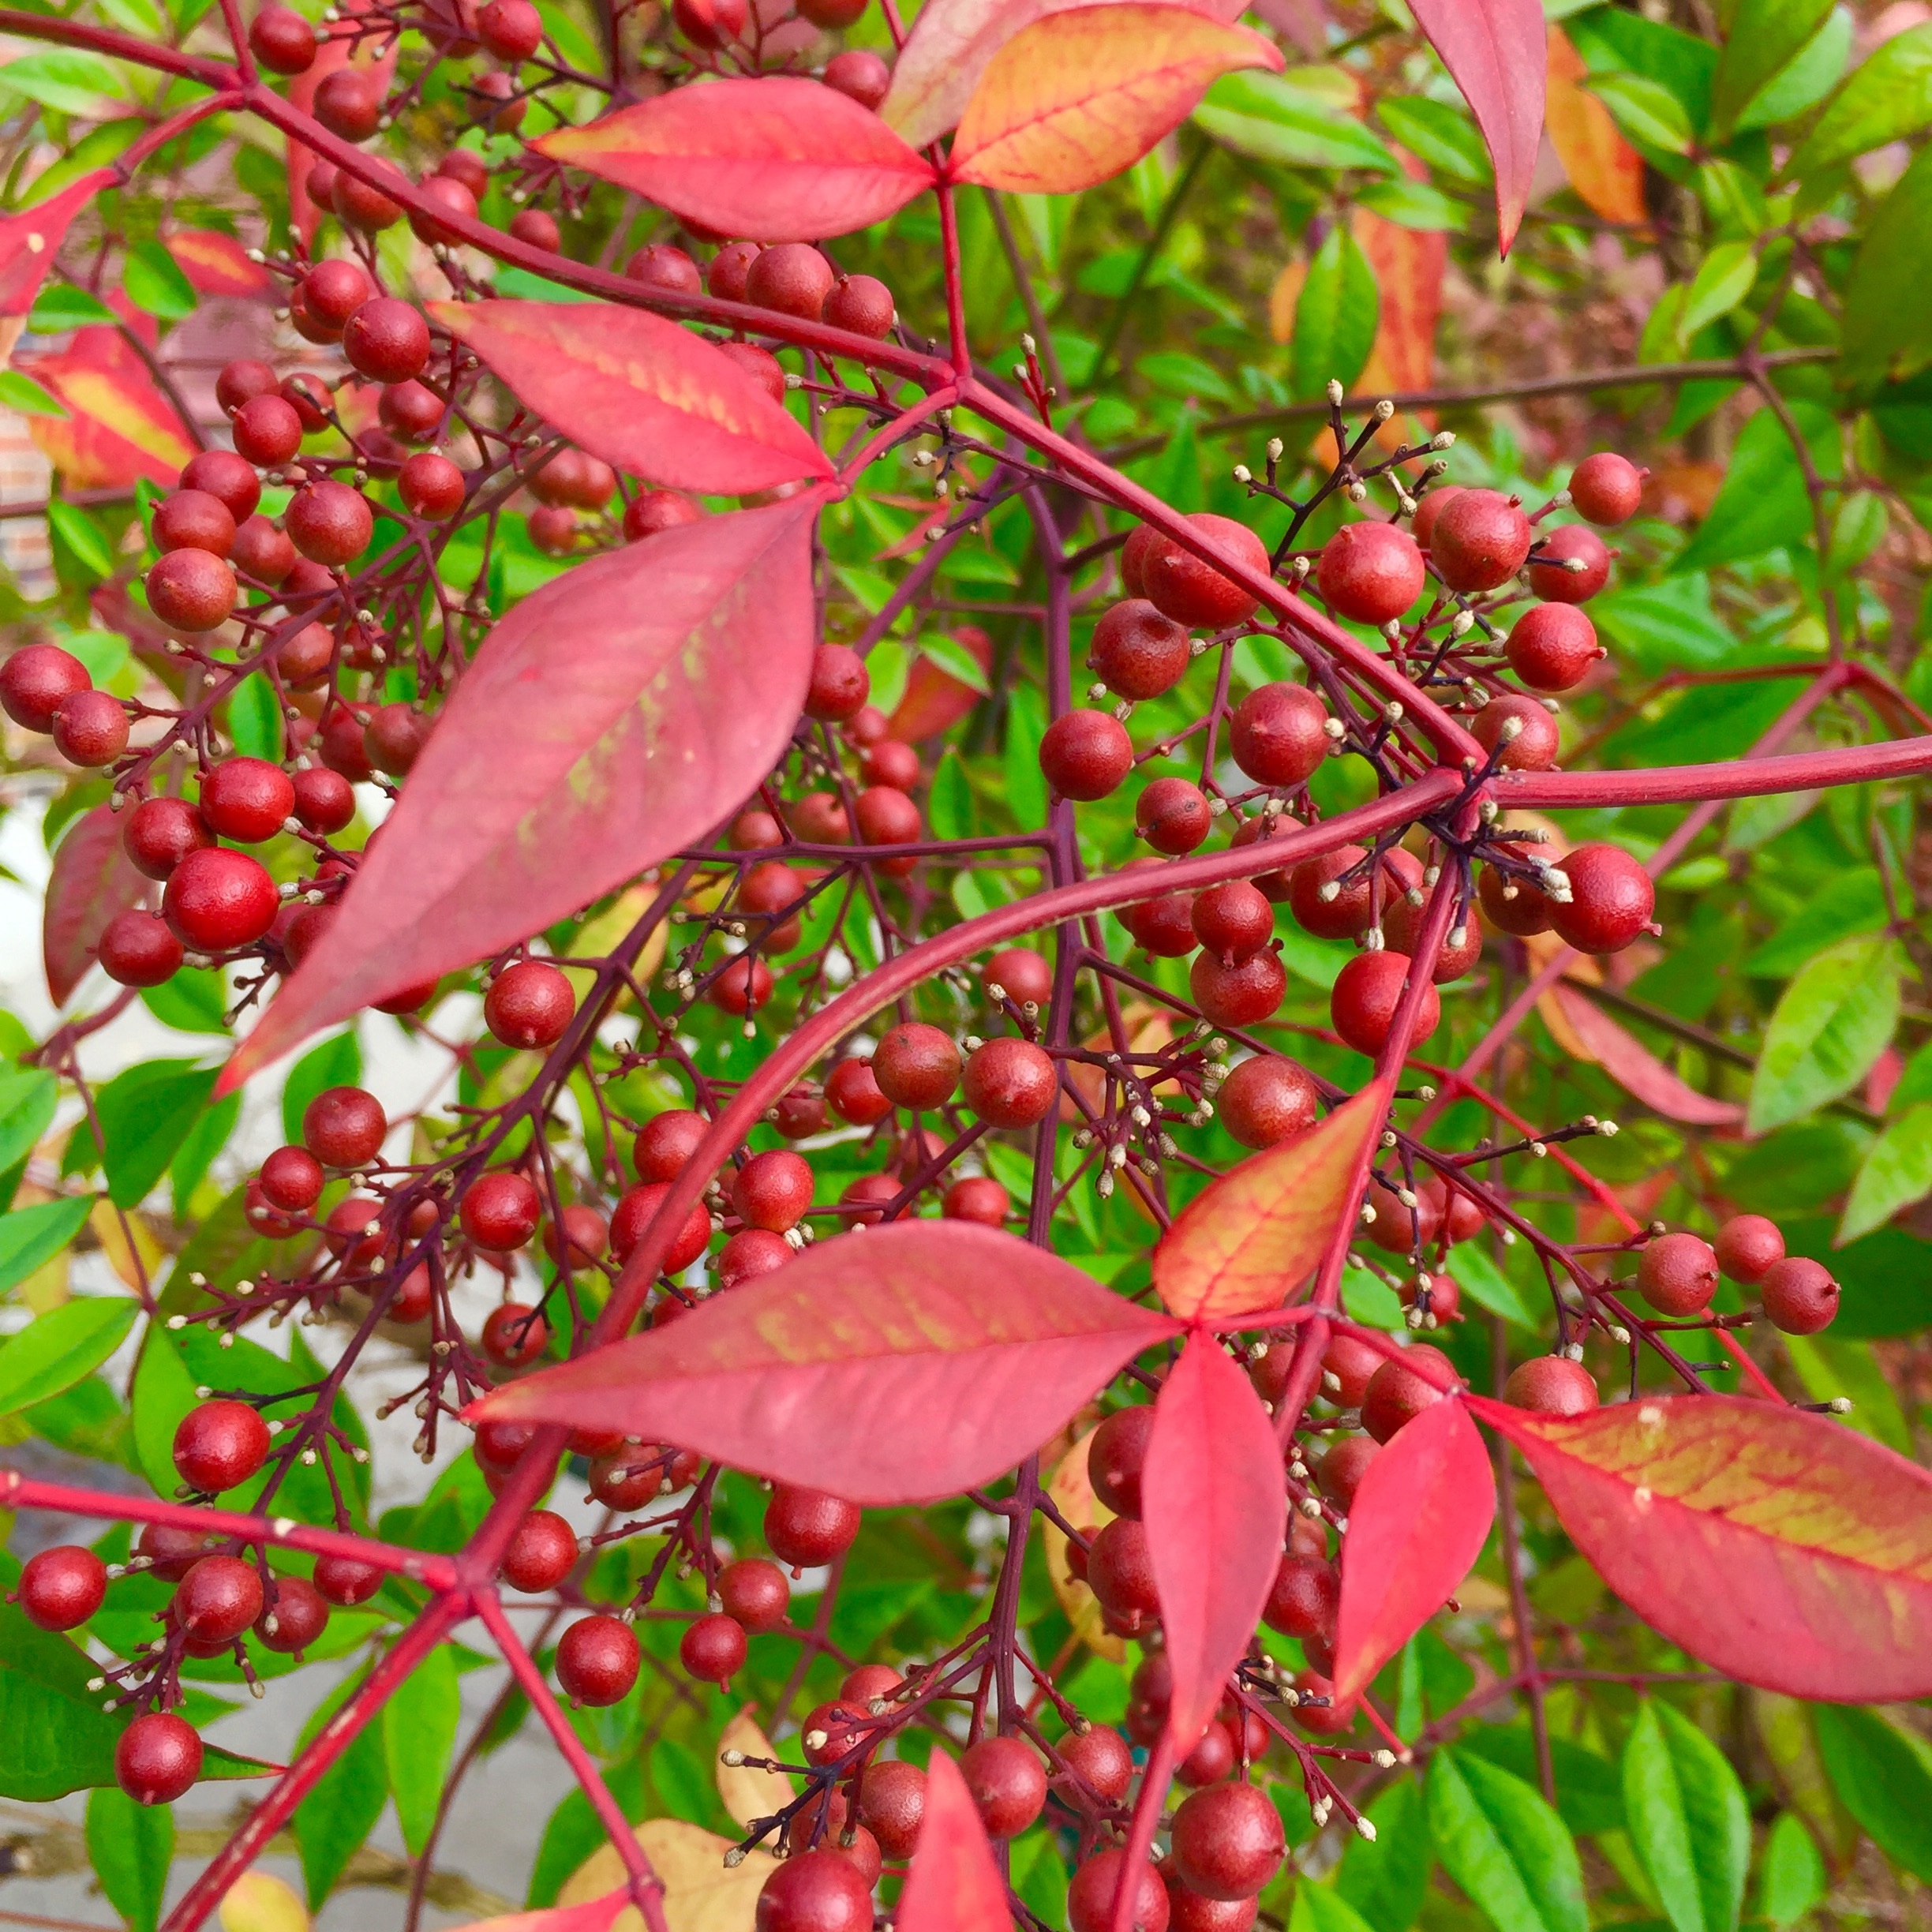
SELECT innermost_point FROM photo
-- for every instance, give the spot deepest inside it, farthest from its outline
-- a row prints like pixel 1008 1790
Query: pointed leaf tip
pixel 953 1885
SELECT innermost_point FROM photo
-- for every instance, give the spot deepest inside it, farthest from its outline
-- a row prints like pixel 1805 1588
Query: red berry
pixel 36 679
pixel 660 265
pixel 1021 974
pixel 1195 593
pixel 223 474
pixel 1520 730
pixel 220 1446
pixel 755 1592
pixel 1265 1099
pixel 1085 754
pixel 805 1528
pixel 1137 653
pixel 412 411
pixel 292 1179
pixel 1513 902
pixel 392 738
pixel 713 1649
pixel 500 1211
pixel 1366 993
pixel 1479 540
pixel 666 1141
pixel 512 30
pixel 324 800
pixel 348 103
pixel 887 817
pixel 138 949
pixel 840 684
pixel 1607 488
pixel 916 1066
pixel 792 278
pixel 1232 921
pixel 514 1333
pixel 159 832
pixel 191 590
pixel 1278 735
pixel 1172 815
pixel 744 985
pixel 861 304
pixel 1239 995
pixel 773 1190
pixel 263 554
pixel 344 1127
pixel 1011 1084
pixel 193 520
pixel 657 510
pixel 889 762
pixel 329 523
pixel 821 1891
pixel 750 1253
pixel 1008 1783
pixel 854 1094
pixel 157 1757
pixel 597 1660
pixel 1549 572
pixel 1116 1456
pixel 892 1797
pixel 530 1004
pixel 1551 1385
pixel 1305 1597
pixel 1120 1571
pixel 1746 1245
pixel 1397 1393
pixel 1343 914
pixel 633 1214
pixel 268 431
pixel 1402 924
pixel 294 1615
pixel 725 278
pixel 1552 646
pixel 90 728
pixel 541 1553
pixel 711 24
pixel 1371 572
pixel 216 1601
pixel 346 1582
pixel 760 365
pixel 1227 1842
pixel 1097 1884
pixel 1677 1274
pixel 1611 898
pixel 1799 1296
pixel 247 799
pixel 282 41
pixel 1325 1718
pixel 1188 1911
pixel 61 1588
pixel 859 74
pixel 977 1197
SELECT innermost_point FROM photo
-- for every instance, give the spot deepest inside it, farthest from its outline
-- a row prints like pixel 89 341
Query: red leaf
pixel 780 160
pixel 900 1366
pixel 593 1915
pixel 1783 1550
pixel 30 240
pixel 643 394
pixel 620 712
pixel 954 1886
pixel 1214 1498
pixel 1247 1241
pixel 1073 99
pixel 934 700
pixel 1418 1525
pixel 1638 1070
pixel 332 55
pixel 216 263
pixel 1495 53
pixel 92 881
pixel 120 427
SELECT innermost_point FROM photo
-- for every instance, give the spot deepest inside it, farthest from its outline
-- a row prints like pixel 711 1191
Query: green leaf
pixel 1832 1365
pixel 28 1096
pixel 955 659
pixel 206 1139
pixel 948 802
pixel 1336 314
pixel 1724 279
pixel 1321 1908
pixel 1687 1819
pixel 1269 118
pixel 1589 1789
pixel 1858 529
pixel 1791 1874
pixel 153 280
pixel 1762 505
pixel 1507 1850
pixel 22 393
pixel 1646 110
pixel 1387 1881
pixel 1887 327
pixel 31 1236
pixel 1039 1874
pixel 1413 204
pixel 1806 81
pixel 1883 1776
pixel 194 1001
pixel 1485 1284
pixel 255 720
pixel 145 1115
pixel 1897 1172
pixel 1765 36
pixel 59 307
pixel 1834 1020
pixel 1665 625
pixel 1887 96
pixel 1442 135
pixel 419 1734
pixel 1853 902
pixel 1026 724
pixel 61 1347
pixel 131 1847
pixel 67 80
pixel 162 1392
pixel 336 1062
pixel 82 536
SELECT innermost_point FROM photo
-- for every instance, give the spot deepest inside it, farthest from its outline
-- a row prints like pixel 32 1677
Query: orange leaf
pixel 1408 268
pixel 1246 1242
pixel 1632 1065
pixel 1603 166
pixel 934 700
pixel 1072 100
pixel 120 427
pixel 216 263
pixel 29 240
pixel 1782 1549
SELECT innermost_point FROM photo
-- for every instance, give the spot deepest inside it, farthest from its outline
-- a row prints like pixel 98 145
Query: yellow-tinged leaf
pixel 134 1263
pixel 258 1901
pixel 1602 165
pixel 1074 99
pixel 1071 1490
pixel 119 427
pixel 602 935
pixel 748 1792
pixel 1249 1241
pixel 702 1893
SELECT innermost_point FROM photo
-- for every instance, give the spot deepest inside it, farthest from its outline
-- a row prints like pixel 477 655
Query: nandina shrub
pixel 1161 1154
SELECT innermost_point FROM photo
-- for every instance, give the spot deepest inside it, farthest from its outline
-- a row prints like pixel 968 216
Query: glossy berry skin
pixel 1096 1885
pixel 1552 646
pixel 634 1215
pixel 1265 1099
pixel 541 1553
pixel 329 523
pixel 1799 1296
pixel 1397 1394
pixel 805 1528
pixel 61 1588
pixel 1239 995
pixel 217 1600
pixel 1008 1783
pixel 713 1649
pixel 892 1799
pixel 1520 730
pixel 219 1445
pixel 977 1197
pixel 266 430
pixel 1120 1571
pixel 191 591
pixel 1552 1385
pixel 821 1891
pixel 159 832
pixel 1305 1597
pixel 291 1179
pixel 1227 1841
pixel 138 949
pixel 529 1005
pixel 500 1211
pixel 1085 754
pixel 665 1142
pixel 1101 1757
pixel 1277 735
pixel 597 1660
pixel 773 1190
pixel 1366 994
pixel 282 41
pixel 859 74
pixel 223 474
pixel 514 1333
pixel 755 1592
pixel 1172 815
pixel 1677 1274
pixel 247 799
pixel 1137 653
pixel 193 520
pixel 1232 921
pixel 1195 593
pixel 916 1065
pixel 35 680
pixel 1011 1084
pixel 344 1127
pixel 1022 975
pixel 1607 488
pixel 861 304
pixel 1116 1456
pixel 1479 541
pixel 157 1758
pixel 345 1582
pixel 295 1615
pixel 1371 572
pixel 792 278
pixel 840 684
pixel 1548 572
pixel 1747 1246
pixel 1611 899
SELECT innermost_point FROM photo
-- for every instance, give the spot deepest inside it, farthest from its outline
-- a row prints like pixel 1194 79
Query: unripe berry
pixel 1265 1099
pixel 1479 540
pixel 1196 594
pixel 1371 572
pixel 220 1446
pixel 1677 1274
pixel 157 1758
pixel 1085 754
pixel 61 1588
pixel 1607 488
pixel 597 1660
pixel 530 1004
pixel 1799 1296
pixel 1137 653
pixel 1551 1385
